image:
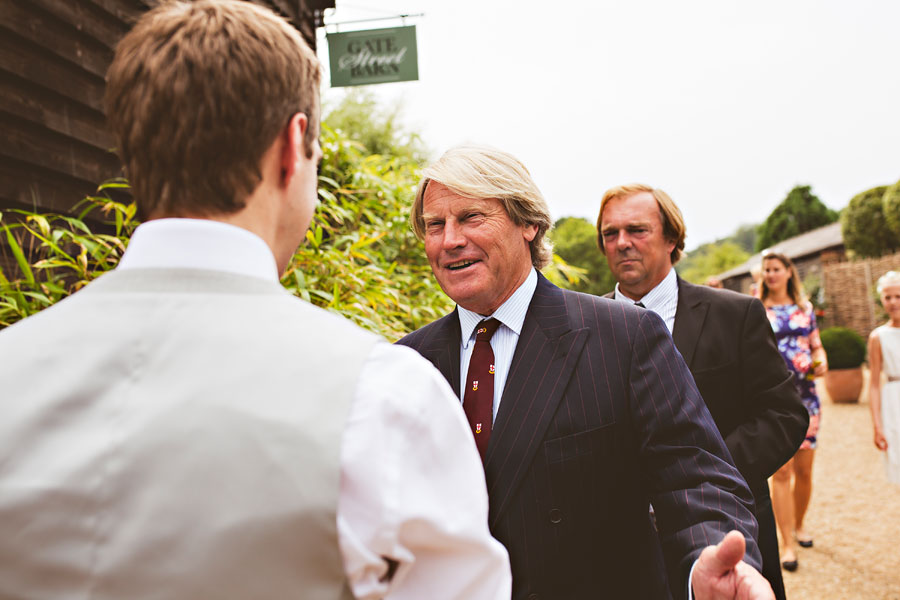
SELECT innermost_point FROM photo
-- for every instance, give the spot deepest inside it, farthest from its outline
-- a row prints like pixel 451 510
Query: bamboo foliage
pixel 361 258
pixel 56 255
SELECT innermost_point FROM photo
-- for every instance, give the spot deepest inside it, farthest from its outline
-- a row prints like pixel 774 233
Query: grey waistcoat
pixel 175 434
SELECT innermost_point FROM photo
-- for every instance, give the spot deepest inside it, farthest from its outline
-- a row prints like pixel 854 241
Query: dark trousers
pixel 768 547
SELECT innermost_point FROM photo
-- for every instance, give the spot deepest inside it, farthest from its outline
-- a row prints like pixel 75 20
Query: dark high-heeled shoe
pixel 790 565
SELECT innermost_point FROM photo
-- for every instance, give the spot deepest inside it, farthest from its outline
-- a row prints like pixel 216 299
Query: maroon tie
pixel 478 401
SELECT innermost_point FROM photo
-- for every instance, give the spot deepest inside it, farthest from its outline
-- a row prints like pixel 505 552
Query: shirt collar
pixel 511 313
pixel 658 296
pixel 199 244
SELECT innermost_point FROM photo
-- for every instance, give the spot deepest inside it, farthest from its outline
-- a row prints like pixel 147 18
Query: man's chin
pixel 469 298
pixel 629 276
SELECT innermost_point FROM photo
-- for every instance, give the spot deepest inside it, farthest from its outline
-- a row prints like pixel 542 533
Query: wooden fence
pixel 850 297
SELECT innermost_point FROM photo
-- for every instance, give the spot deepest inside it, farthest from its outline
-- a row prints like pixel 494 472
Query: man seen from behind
pixel 183 427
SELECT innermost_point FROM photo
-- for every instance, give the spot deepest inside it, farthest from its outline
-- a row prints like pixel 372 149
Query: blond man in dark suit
pixel 591 414
pixel 724 337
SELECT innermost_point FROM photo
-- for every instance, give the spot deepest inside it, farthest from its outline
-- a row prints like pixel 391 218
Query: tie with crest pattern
pixel 478 401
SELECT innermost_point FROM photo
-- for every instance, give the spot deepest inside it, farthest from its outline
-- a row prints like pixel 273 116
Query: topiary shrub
pixel 863 225
pixel 844 348
pixel 890 205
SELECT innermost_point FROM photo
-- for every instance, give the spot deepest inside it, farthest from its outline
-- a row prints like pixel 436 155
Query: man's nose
pixel 453 236
pixel 623 240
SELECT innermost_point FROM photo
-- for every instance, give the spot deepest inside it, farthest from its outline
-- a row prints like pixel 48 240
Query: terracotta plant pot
pixel 844 385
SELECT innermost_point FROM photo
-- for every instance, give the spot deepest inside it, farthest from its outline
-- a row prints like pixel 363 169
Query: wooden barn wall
pixel 53 59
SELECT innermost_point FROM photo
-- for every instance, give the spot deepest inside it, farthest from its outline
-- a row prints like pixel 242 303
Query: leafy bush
pixel 575 241
pixel 710 259
pixel 56 255
pixel 863 225
pixel 844 348
pixel 890 205
pixel 361 259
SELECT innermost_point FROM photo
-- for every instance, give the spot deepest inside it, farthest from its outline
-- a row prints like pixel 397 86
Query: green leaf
pixel 42 222
pixel 119 222
pixel 117 183
pixel 20 256
pixel 43 299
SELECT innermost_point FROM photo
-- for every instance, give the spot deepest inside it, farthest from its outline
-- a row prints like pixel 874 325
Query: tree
pixel 799 212
pixel 359 117
pixel 863 225
pixel 575 241
pixel 711 259
pixel 890 204
pixel 745 237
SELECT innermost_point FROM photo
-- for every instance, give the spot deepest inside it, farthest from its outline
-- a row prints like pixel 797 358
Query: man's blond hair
pixel 483 172
pixel 197 92
pixel 669 214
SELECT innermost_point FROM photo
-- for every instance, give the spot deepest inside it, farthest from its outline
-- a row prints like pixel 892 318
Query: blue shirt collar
pixel 511 313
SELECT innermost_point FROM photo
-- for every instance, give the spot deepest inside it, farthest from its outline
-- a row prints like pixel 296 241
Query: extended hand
pixel 720 574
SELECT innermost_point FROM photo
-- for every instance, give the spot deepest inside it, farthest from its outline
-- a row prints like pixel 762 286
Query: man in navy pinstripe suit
pixel 595 413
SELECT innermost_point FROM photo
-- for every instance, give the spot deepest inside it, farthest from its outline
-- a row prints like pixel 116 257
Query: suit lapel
pixel 442 349
pixel 689 318
pixel 544 360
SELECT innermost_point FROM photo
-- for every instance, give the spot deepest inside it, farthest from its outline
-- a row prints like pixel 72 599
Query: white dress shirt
pixel 412 487
pixel 512 315
pixel 663 299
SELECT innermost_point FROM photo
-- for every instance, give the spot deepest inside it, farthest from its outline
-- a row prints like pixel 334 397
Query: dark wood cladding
pixel 53 59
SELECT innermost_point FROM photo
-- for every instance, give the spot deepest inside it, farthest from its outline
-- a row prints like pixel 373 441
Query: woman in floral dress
pixel 794 323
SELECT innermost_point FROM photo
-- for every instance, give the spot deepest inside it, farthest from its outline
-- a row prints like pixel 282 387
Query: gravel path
pixel 854 515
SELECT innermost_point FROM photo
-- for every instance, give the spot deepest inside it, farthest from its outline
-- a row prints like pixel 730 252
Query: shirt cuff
pixel 690 579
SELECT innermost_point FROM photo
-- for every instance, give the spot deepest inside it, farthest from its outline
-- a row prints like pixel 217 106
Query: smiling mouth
pixel 460 265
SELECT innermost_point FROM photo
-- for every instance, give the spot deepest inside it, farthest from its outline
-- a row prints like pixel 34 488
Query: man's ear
pixel 292 146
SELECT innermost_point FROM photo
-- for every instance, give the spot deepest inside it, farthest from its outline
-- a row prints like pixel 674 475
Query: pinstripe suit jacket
pixel 599 417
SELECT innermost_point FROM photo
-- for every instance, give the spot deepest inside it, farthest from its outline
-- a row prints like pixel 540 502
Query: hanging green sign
pixel 373 56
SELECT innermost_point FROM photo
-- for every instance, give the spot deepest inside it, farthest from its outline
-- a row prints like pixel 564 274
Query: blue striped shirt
pixel 512 315
pixel 663 299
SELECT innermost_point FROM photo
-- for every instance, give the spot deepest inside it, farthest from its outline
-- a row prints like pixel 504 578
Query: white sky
pixel 725 105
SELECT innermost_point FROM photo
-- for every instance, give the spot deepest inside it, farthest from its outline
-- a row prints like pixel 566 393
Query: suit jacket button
pixel 555 515
pixel 533 597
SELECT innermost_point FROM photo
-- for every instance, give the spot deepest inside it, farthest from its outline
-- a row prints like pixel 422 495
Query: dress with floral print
pixel 797 334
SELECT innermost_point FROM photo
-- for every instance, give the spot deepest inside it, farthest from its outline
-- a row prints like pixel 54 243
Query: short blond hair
pixel 476 171
pixel 196 92
pixel 669 214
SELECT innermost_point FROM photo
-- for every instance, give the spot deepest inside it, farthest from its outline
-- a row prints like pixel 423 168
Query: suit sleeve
pixel 697 493
pixel 774 411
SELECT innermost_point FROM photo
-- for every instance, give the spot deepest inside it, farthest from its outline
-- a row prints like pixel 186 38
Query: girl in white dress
pixel 884 356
